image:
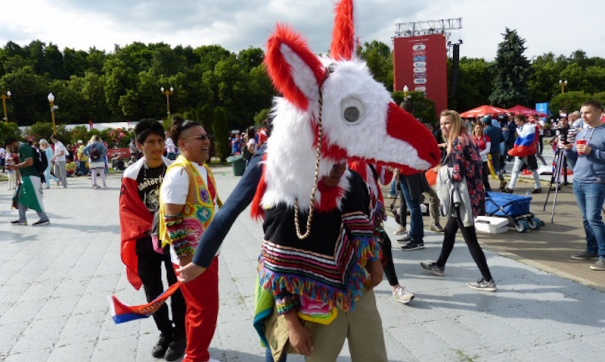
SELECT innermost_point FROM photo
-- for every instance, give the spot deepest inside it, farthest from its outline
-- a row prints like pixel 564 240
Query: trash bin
pixel 239 165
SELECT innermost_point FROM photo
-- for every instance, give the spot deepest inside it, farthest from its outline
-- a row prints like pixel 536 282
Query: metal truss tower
pixel 441 26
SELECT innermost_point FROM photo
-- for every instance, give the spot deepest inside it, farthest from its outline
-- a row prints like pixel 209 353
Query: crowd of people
pixel 248 144
pixel 483 146
pixel 172 183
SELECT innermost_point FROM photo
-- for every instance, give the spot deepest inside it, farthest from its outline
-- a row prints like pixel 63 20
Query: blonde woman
pixel 45 146
pixel 463 156
pixel 96 153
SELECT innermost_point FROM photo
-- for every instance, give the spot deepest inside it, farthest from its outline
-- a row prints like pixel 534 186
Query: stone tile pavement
pixel 54 281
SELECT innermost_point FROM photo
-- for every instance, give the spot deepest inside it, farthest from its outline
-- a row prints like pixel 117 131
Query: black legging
pixel 485 176
pixel 470 237
pixel 389 267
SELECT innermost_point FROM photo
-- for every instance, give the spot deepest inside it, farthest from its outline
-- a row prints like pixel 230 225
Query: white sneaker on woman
pixel 403 296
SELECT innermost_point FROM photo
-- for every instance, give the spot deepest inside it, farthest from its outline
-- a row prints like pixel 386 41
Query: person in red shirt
pixel 483 143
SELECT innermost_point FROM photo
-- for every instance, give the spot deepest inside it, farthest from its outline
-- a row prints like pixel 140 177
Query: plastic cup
pixel 580 142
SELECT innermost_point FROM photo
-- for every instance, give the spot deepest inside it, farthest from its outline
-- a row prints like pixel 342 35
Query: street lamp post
pixel 407 103
pixel 168 93
pixel 4 98
pixel 563 84
pixel 51 100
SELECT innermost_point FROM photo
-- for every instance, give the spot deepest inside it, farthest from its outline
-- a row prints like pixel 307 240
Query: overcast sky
pixel 558 26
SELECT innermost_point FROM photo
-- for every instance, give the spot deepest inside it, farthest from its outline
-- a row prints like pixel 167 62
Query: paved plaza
pixel 54 281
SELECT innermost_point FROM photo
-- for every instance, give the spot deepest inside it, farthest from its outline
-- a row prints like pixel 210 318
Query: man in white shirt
pixel 170 147
pixel 59 160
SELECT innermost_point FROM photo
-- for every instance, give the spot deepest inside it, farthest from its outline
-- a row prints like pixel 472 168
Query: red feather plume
pixel 343 39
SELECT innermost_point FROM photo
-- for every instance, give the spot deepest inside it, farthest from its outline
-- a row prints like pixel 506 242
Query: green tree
pixel 569 101
pixel 546 72
pixel 474 85
pixel 79 133
pixel 220 129
pixel 9 129
pixel 379 58
pixel 28 102
pixel 40 130
pixel 511 72
pixel 424 108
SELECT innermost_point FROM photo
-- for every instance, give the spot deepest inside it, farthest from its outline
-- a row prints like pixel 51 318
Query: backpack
pixel 95 154
pixel 40 160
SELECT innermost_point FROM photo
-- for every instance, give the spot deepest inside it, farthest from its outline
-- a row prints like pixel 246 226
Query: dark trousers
pixel 416 222
pixel 470 237
pixel 388 266
pixel 485 176
pixel 403 207
pixel 82 169
pixel 150 271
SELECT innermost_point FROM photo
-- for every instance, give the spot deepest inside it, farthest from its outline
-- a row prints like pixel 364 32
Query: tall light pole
pixel 563 84
pixel 4 98
pixel 168 93
pixel 51 100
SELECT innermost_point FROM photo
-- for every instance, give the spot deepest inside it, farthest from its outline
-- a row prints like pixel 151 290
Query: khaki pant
pixel 362 327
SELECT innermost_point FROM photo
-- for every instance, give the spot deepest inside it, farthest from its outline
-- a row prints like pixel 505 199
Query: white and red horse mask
pixel 337 94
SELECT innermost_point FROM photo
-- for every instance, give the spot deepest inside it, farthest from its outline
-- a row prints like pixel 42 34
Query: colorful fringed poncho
pixel 325 270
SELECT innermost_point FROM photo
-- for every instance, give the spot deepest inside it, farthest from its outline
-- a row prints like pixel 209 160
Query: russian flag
pixel 122 313
pixel 525 144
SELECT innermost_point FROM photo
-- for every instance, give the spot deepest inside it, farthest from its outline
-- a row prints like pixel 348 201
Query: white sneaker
pixel 403 296
pixel 400 231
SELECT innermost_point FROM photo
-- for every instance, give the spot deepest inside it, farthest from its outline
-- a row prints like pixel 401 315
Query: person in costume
pixel 139 201
pixel 320 257
pixel 241 196
pixel 239 199
pixel 188 203
pixel 29 195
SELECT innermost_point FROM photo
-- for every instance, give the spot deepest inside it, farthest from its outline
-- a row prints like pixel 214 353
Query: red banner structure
pixel 421 64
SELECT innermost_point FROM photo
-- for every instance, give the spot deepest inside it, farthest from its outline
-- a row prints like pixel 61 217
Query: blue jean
pixel 393 191
pixel 48 177
pixel 590 198
pixel 82 169
pixel 416 223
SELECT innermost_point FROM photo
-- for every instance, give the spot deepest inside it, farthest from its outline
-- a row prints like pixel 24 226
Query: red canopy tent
pixel 483 111
pixel 519 109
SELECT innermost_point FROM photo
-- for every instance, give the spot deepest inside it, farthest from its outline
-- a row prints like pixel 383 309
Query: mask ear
pixel 295 71
pixel 343 39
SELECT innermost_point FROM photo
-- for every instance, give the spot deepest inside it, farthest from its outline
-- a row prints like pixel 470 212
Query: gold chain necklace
pixel 315 182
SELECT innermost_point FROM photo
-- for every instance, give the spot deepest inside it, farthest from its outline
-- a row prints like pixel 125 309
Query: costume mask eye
pixel 352 110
